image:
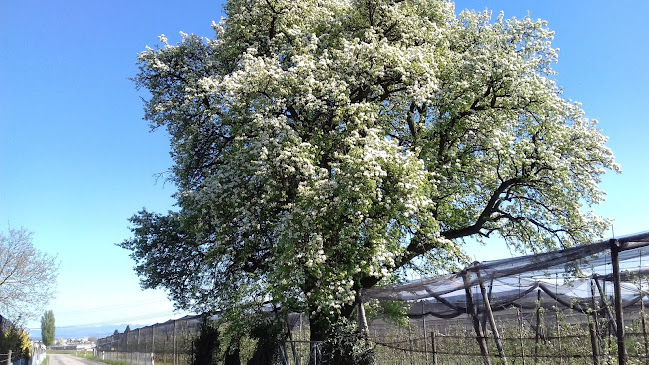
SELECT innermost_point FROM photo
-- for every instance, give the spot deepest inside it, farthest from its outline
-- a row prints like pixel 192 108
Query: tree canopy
pixel 16 340
pixel 48 328
pixel 320 147
pixel 27 276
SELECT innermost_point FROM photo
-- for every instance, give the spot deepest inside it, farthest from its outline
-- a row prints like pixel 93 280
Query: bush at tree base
pixel 346 345
pixel 206 345
pixel 270 336
pixel 232 354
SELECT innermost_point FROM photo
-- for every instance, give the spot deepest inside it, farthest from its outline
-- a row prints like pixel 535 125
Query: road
pixel 59 359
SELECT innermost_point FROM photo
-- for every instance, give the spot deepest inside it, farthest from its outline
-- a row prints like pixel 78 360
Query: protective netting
pixel 575 278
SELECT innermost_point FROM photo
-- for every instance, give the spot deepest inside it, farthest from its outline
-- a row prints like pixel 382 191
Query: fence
pixel 38 356
pixel 11 336
pixel 553 336
pixel 11 358
pixel 539 336
pixel 170 343
pixel 567 306
pixel 5 359
pixel 582 305
pixel 164 343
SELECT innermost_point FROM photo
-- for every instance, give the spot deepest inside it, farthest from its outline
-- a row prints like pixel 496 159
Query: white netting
pixel 574 278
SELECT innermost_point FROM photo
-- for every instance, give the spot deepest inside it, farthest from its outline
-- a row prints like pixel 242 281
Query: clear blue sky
pixel 77 160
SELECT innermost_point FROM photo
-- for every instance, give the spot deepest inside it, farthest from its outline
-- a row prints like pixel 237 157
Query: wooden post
pixel 410 347
pixel 609 334
pixel 538 325
pixel 175 356
pixel 558 336
pixel 492 321
pixel 165 346
pixel 480 337
pixel 644 324
pixel 520 322
pixel 484 317
pixel 592 326
pixel 607 307
pixel 138 346
pixel 619 315
pixel 556 316
pixel 153 344
pixel 433 346
pixel 423 320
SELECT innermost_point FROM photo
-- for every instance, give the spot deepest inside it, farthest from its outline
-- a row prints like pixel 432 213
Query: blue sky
pixel 77 160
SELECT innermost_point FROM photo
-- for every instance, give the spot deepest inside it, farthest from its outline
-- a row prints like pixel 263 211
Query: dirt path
pixel 59 359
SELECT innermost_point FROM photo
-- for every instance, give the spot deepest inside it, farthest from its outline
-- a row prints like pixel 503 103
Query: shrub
pixel 345 345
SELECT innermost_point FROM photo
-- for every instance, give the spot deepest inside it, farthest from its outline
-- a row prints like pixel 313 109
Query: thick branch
pixel 419 246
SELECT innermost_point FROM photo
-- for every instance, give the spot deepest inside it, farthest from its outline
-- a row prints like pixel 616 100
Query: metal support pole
pixel 619 315
pixel 480 337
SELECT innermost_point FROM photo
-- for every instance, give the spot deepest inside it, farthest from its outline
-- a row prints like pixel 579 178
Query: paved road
pixel 59 359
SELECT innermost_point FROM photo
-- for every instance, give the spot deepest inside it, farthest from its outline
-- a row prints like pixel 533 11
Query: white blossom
pixel 315 147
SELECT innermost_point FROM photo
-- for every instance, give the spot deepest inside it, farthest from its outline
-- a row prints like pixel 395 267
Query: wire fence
pixel 300 352
pixel 558 336
pixel 171 343
pixel 582 305
pixel 164 343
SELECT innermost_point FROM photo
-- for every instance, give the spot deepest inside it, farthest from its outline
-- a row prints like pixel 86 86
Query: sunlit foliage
pixel 322 146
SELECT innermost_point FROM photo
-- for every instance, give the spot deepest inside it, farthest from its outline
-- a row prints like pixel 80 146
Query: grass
pixel 78 353
pixel 89 356
pixel 85 355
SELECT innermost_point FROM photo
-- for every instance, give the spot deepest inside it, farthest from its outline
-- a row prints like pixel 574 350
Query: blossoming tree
pixel 320 147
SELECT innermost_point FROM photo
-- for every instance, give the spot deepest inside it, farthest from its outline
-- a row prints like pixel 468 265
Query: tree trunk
pixel 319 325
pixel 232 354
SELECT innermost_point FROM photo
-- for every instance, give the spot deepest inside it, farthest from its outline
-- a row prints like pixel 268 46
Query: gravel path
pixel 59 359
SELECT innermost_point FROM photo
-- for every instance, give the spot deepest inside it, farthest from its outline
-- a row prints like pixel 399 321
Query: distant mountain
pixel 84 331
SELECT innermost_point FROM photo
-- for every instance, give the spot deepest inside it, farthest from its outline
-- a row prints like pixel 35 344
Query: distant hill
pixel 83 331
